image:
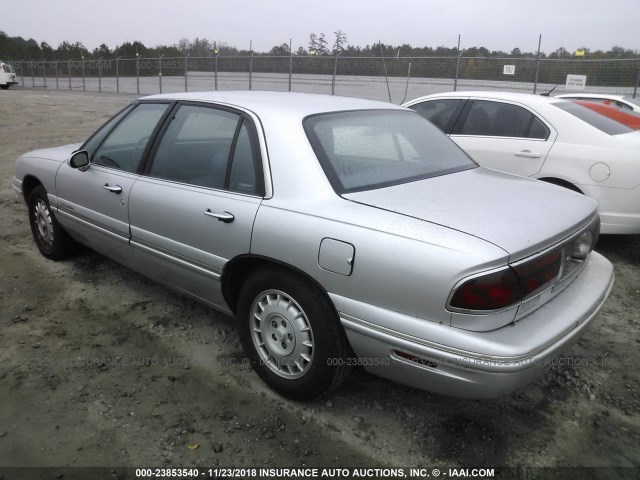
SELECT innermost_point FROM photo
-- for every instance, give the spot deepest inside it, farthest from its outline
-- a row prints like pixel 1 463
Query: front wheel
pixel 4 87
pixel 291 334
pixel 51 239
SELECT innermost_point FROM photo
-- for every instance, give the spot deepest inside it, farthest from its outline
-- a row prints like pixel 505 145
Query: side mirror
pixel 80 160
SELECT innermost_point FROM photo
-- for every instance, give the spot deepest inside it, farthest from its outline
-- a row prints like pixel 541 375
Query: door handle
pixel 225 217
pixel 114 189
pixel 528 154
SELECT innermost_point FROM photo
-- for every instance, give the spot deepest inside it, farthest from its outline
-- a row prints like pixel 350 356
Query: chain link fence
pixel 392 79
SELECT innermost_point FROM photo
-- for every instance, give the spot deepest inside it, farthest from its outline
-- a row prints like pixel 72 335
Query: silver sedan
pixel 337 231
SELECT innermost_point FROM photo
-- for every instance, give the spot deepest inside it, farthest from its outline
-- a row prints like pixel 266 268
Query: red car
pixel 630 119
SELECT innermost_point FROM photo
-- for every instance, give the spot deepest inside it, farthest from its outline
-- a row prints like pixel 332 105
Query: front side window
pixel 97 138
pixel 363 150
pixel 207 147
pixel 497 119
pixel 125 144
pixel 442 113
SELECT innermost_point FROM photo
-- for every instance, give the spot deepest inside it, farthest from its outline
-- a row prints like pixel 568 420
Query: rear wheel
pixel 4 87
pixel 51 239
pixel 291 334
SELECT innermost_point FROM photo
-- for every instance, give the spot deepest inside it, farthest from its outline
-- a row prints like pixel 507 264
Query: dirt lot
pixel 101 367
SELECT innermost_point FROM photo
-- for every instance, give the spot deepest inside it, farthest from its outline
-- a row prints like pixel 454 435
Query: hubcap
pixel 44 223
pixel 281 334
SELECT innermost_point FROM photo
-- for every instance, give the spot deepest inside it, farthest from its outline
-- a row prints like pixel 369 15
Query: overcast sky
pixel 495 24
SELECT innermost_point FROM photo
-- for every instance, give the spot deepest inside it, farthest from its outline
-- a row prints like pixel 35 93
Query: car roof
pixel 263 102
pixel 527 98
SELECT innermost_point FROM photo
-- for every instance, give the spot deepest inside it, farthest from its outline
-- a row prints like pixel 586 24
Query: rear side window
pixel 595 119
pixel 498 119
pixel 442 113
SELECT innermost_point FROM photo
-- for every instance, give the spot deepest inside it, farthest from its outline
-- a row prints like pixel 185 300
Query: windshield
pixel 363 150
pixel 595 119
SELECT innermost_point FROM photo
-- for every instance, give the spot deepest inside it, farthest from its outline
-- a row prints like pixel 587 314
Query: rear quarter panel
pixel 400 264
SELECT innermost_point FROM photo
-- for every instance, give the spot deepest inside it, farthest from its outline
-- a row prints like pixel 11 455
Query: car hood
pixel 519 215
pixel 59 154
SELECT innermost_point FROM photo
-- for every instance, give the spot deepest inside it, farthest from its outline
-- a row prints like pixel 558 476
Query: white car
pixel 549 139
pixel 7 76
pixel 622 101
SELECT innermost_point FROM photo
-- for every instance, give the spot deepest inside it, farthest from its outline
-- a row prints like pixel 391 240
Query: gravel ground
pixel 101 367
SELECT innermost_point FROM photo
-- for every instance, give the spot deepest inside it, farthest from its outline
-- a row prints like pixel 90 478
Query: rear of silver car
pixel 489 353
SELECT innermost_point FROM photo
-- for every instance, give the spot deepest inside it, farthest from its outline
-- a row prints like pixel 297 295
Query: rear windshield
pixel 363 150
pixel 635 101
pixel 595 119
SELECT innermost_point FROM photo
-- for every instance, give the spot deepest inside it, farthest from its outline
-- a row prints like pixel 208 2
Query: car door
pixel 93 202
pixel 504 136
pixel 194 208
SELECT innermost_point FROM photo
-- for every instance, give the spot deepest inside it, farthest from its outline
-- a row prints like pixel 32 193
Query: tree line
pixel 17 48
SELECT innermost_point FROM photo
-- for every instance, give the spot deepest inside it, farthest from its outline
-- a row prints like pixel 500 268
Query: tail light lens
pixel 501 289
pixel 489 292
pixel 539 272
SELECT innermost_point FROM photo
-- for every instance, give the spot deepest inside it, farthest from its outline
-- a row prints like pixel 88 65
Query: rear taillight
pixel 539 272
pixel 493 291
pixel 501 289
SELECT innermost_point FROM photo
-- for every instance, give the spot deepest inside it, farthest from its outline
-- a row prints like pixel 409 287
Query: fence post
pixel 386 77
pixel 455 80
pixel 215 74
pixel 117 76
pixel 186 72
pixel 160 71
pixel 406 87
pixel 290 64
pixel 535 82
pixel 44 73
pixel 250 70
pixel 56 67
pixel 84 83
pixel 69 72
pixel 100 74
pixel 635 88
pixel 33 80
pixel 137 74
pixel 335 71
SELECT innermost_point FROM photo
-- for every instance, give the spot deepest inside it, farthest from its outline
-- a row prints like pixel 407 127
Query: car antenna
pixel 550 91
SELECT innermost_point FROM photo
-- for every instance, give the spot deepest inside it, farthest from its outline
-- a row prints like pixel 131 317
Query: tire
pixel 4 87
pixel 51 239
pixel 291 334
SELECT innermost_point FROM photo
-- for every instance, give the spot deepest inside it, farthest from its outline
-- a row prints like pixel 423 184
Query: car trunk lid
pixel 519 215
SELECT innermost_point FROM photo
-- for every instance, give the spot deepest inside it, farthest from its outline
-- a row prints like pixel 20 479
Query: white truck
pixel 7 75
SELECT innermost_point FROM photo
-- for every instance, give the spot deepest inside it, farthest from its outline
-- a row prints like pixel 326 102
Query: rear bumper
pixel 501 360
